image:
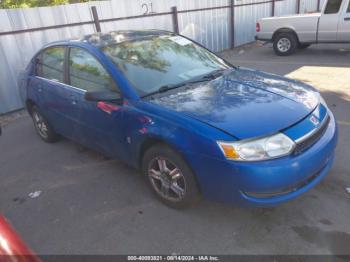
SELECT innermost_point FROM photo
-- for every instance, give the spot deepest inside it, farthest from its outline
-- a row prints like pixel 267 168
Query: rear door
pixel 51 91
pixel 328 24
pixel 100 124
pixel 344 23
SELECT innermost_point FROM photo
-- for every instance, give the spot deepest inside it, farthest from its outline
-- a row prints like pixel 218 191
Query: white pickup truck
pixel 288 33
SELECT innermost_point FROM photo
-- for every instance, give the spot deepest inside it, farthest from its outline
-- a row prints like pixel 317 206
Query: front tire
pixel 42 126
pixel 285 44
pixel 170 177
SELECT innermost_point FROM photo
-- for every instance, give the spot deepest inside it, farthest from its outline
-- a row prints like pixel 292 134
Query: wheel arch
pixel 151 141
pixel 285 30
pixel 29 105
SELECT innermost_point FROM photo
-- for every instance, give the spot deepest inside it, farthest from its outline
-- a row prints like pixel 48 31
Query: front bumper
pixel 266 183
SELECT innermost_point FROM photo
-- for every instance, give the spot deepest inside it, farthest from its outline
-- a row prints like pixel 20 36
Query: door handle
pixel 73 100
pixel 347 19
pixel 39 87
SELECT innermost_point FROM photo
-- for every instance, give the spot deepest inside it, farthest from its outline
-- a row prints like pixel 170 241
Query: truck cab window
pixel 333 6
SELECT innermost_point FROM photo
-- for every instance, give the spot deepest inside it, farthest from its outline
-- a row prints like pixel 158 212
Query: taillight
pixel 257 27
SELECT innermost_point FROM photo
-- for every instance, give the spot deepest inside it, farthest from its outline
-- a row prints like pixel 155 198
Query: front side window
pixel 152 62
pixel 86 73
pixel 50 64
pixel 333 6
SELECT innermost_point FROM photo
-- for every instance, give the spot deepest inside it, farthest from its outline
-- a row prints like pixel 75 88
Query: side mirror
pixel 103 96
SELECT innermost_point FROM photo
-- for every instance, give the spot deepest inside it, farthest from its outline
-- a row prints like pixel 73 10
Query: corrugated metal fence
pixel 210 22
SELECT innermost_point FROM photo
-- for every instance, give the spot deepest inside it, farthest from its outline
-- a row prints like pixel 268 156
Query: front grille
pixel 312 139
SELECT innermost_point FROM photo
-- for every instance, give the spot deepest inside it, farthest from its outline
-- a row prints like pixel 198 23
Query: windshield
pixel 157 61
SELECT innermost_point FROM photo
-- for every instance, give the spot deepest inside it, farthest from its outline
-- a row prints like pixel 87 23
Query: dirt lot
pixel 91 205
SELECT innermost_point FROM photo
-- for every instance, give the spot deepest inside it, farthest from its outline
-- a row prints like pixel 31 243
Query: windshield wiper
pixel 213 74
pixel 165 88
pixel 210 76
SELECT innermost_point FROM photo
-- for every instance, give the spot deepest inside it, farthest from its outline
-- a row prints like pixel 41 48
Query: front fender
pixel 184 134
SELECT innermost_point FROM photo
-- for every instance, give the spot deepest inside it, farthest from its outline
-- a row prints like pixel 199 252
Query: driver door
pixel 344 24
pixel 100 124
pixel 328 24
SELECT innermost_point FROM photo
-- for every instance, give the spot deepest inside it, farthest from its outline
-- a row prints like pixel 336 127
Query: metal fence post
pixel 175 19
pixel 273 7
pixel 232 23
pixel 95 17
pixel 298 6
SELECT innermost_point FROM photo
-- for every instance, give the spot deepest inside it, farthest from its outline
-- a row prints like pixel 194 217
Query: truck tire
pixel 284 44
pixel 303 46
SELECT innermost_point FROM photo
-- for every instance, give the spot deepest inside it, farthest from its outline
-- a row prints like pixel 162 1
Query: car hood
pixel 244 103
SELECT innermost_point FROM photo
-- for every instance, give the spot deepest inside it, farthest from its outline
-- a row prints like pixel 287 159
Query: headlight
pixel 265 148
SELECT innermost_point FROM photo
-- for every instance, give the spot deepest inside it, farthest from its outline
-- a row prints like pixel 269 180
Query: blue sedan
pixel 194 124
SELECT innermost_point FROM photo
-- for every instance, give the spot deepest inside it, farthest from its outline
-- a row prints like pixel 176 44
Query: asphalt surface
pixel 92 205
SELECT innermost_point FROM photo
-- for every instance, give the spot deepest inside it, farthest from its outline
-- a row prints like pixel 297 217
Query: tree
pixel 35 3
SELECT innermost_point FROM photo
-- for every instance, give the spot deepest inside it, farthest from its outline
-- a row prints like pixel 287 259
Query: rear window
pixel 50 64
pixel 333 6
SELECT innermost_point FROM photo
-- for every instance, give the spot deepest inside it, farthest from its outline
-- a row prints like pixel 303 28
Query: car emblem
pixel 314 120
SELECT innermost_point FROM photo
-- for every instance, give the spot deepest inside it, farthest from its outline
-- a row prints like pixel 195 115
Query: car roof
pixel 113 37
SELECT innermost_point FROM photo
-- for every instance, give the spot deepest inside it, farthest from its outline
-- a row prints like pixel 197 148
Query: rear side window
pixel 50 64
pixel 333 6
pixel 86 73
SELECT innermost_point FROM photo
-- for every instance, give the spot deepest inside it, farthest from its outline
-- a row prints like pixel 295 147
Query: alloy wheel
pixel 40 125
pixel 167 179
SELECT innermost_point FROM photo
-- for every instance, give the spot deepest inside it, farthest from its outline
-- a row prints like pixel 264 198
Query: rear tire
pixel 284 44
pixel 42 126
pixel 169 177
